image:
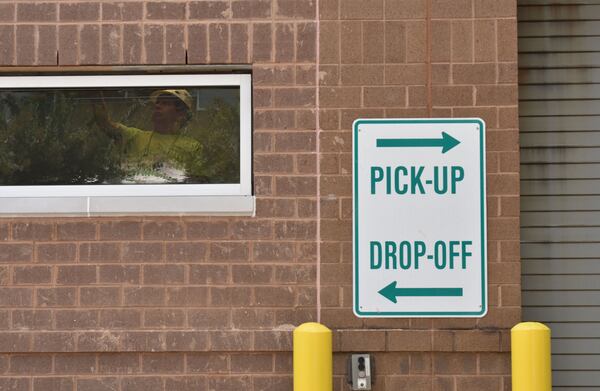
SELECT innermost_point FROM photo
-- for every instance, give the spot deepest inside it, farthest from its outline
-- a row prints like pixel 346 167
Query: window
pixel 126 144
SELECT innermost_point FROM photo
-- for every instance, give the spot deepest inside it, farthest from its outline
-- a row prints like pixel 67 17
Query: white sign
pixel 419 218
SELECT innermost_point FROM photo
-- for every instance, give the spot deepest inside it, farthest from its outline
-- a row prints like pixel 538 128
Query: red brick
pixel 31 320
pixel 411 74
pixel 32 231
pixel 413 383
pixel 53 383
pixel 90 48
pixel 209 274
pixel 484 35
pixel 273 163
pixel 244 274
pixel 120 319
pixel 53 342
pixel 462 40
pixel 198 44
pixel 165 10
pixel 79 12
pixel 121 230
pixel 142 252
pixel 494 363
pixel 99 252
pixel 125 11
pixel 7 12
pixel 409 340
pixel 56 252
pixel 306 37
pixel 351 42
pixel 154 44
pixel 495 8
pixel 163 230
pixel 100 297
pixel 185 252
pixel 111 44
pixel 232 341
pixel 119 363
pixel 440 41
pixel 250 9
pixel 119 274
pixel 164 318
pixel 361 9
pixel 284 42
pixel 329 47
pixel 239 43
pixel 452 96
pixel 207 363
pixel 76 231
pixel 175 44
pixel 295 186
pixel 75 363
pixel 142 383
pixel 144 296
pixel 295 142
pixel 262 42
pixel 203 10
pixel 68 43
pixel 475 383
pixel 164 274
pixel 277 251
pixel 454 363
pixel 252 363
pixel 507 40
pixel 98 384
pixel 301 9
pixel 31 364
pixel 32 275
pixel 252 319
pixel 76 319
pixel 476 341
pixel 209 319
pixel 228 251
pixel 207 229
pixel 218 40
pixel 76 275
pixel 496 95
pixel 25 45
pixel 36 12
pixel 295 230
pixel 56 297
pixel 15 383
pixel 328 9
pixel 230 296
pixel 15 253
pixel 7 45
pixel 474 73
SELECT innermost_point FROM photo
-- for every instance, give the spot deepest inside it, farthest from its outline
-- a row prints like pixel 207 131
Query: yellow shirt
pixel 157 157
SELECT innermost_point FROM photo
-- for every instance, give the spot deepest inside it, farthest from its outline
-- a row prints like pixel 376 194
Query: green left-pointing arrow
pixel 391 292
pixel 447 142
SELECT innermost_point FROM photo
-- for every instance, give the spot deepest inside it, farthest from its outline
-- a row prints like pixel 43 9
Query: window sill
pixel 127 206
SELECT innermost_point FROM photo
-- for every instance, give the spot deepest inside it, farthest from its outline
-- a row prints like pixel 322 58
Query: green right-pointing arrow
pixel 447 142
pixel 390 292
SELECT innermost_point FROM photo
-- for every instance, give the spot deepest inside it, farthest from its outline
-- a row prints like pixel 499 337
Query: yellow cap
pixel 182 95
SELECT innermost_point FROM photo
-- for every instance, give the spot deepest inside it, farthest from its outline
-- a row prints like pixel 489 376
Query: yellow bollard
pixel 531 363
pixel 313 358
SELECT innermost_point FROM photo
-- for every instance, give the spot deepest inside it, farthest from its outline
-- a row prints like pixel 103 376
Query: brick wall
pixel 208 303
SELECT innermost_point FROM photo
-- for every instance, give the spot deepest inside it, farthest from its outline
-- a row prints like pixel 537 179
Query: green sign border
pixel 482 199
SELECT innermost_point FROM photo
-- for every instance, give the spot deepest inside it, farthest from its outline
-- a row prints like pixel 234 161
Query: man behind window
pixel 164 154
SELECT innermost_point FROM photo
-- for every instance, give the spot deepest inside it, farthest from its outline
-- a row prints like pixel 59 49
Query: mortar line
pixel 428 46
pixel 318 147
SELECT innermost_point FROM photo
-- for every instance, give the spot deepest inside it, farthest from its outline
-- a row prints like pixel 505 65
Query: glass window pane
pixel 120 136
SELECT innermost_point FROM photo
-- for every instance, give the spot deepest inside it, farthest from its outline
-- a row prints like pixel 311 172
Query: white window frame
pixel 155 199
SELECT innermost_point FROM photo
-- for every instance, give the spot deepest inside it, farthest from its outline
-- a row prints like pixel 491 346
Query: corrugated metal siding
pixel 559 76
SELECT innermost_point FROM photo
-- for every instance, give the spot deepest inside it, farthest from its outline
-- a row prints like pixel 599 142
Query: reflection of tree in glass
pixel 47 139
pixel 218 130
